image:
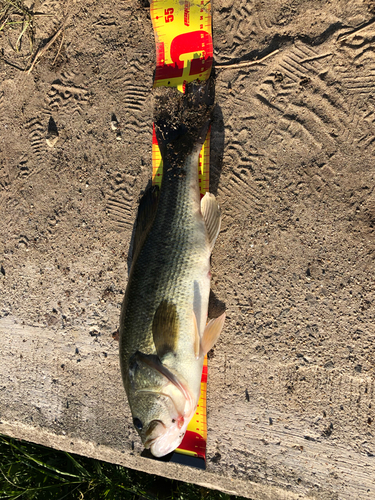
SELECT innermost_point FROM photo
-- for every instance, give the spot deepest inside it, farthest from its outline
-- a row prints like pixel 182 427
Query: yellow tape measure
pixel 183 41
pixel 184 52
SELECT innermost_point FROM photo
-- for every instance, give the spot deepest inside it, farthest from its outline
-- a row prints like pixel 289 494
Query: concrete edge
pixel 255 491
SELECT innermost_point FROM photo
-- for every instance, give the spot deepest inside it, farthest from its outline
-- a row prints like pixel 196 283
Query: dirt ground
pixel 293 168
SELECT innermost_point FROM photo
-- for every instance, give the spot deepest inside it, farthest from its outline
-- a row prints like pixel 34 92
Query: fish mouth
pixel 149 441
pixel 160 441
pixel 160 438
pixel 168 441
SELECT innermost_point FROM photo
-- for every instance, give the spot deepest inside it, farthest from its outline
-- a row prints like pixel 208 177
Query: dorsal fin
pixel 165 328
pixel 145 217
pixel 212 217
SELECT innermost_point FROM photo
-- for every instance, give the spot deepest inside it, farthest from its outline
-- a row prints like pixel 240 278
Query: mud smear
pixel 182 120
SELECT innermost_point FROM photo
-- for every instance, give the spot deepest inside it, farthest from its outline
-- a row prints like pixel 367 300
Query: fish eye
pixel 137 424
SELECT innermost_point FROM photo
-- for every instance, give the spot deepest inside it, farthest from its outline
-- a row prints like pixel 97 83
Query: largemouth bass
pixel 163 332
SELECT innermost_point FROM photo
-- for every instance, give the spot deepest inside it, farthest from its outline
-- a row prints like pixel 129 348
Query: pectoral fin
pixel 212 217
pixel 211 333
pixel 165 328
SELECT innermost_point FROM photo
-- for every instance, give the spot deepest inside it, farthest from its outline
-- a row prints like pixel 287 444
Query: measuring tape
pixel 183 41
pixel 184 52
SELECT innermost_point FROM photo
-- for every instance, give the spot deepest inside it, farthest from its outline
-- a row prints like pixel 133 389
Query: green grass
pixel 30 471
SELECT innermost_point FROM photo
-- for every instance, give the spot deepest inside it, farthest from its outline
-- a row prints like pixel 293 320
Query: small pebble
pixel 51 139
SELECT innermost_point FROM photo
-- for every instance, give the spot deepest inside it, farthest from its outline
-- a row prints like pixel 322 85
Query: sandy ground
pixel 293 168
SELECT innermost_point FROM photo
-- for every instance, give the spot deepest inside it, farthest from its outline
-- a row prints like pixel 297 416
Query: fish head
pixel 161 405
pixel 159 423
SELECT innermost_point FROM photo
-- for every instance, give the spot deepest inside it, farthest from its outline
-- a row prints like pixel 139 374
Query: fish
pixel 163 333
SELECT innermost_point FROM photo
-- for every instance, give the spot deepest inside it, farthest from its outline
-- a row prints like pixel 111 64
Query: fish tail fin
pixel 182 120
